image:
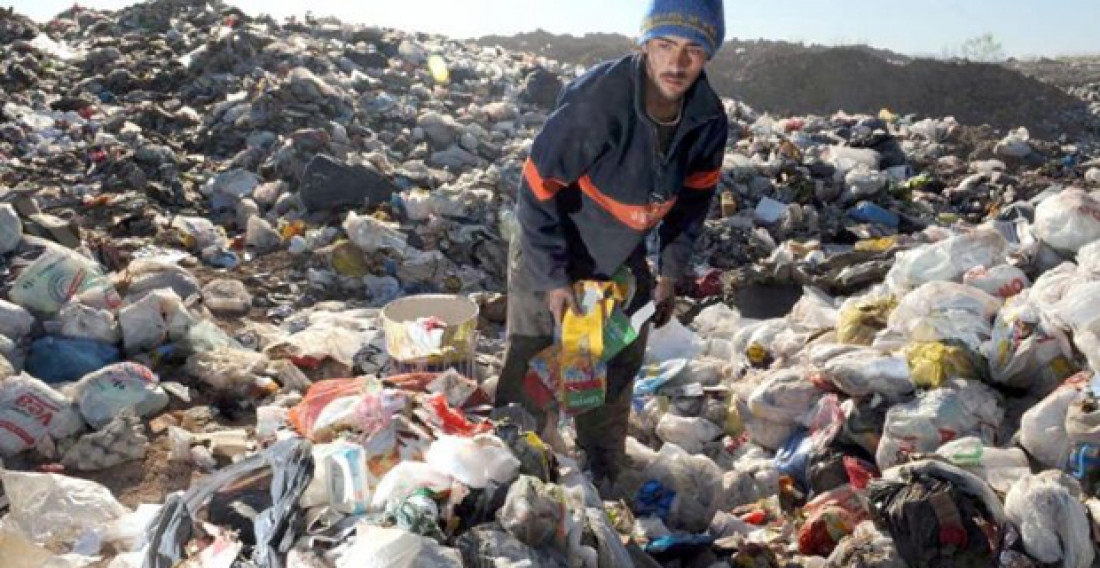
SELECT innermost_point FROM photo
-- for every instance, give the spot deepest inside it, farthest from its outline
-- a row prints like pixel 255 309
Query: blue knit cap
pixel 701 21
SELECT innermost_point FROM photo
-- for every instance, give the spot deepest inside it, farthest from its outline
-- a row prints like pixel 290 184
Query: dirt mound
pixel 855 81
pixel 787 78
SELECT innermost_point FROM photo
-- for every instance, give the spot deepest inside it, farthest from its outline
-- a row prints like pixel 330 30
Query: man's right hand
pixel 561 299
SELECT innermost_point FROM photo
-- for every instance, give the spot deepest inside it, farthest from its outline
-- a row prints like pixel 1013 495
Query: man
pixel 632 145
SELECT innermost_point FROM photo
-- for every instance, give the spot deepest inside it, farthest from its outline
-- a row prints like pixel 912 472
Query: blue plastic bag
pixel 867 212
pixel 793 459
pixel 56 359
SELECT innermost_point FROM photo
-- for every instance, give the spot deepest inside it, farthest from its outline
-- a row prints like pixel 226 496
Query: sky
pixel 1025 28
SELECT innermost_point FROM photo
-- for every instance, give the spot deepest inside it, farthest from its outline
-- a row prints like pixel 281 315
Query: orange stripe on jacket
pixel 703 180
pixel 637 217
pixel 544 189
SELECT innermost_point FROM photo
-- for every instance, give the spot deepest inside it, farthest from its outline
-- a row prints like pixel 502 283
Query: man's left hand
pixel 664 299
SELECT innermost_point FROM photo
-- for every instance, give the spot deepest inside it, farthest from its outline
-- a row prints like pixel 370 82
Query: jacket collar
pixel 701 103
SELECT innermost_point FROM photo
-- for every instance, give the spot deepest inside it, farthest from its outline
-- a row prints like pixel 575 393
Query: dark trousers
pixel 601 432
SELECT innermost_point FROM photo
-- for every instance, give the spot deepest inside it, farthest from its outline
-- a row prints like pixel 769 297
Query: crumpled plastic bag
pixel 155 319
pixel 1053 522
pixel 1002 281
pixel 860 372
pixel 1043 427
pixel 861 318
pixel 690 433
pixel 226 369
pixel 777 407
pixel 1068 220
pixel 405 478
pixel 938 514
pixel 959 408
pixel 933 363
pixel 15 321
pixel 78 320
pixel 947 260
pixel 56 510
pixel 1027 349
pixel 379 547
pixel 535 512
pixel 473 461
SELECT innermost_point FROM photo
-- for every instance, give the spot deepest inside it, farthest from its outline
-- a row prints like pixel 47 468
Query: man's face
pixel 673 64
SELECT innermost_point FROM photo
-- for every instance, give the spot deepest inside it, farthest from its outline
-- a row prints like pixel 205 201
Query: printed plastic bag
pixel 103 394
pixel 1004 281
pixel 1000 467
pixel 304 416
pixel 59 275
pixel 1027 350
pixel 29 411
pixel 959 408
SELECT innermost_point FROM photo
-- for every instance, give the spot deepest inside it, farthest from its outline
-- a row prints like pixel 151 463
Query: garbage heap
pixel 202 212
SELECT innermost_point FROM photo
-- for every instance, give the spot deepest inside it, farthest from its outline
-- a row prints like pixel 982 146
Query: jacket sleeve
pixel 684 222
pixel 568 144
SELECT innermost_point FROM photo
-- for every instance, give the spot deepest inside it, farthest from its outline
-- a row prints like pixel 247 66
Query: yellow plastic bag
pixel 859 322
pixel 583 379
pixel 931 364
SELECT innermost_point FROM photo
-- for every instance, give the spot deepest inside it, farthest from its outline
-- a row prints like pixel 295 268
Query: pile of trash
pixel 204 214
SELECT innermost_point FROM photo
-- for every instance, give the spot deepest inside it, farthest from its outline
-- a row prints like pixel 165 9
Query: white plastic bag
pixel 405 478
pixel 1043 427
pixel 947 260
pixel 378 547
pixel 78 320
pixel 154 320
pixel 1052 285
pixel 1001 467
pixel 56 510
pixel 861 372
pixel 690 433
pixel 1027 350
pixel 371 235
pixel 1068 220
pixel 1053 523
pixel 11 229
pixel 1088 260
pixel 941 297
pixel 473 461
pixel 1003 281
pixel 864 182
pixel 59 275
pixel 673 341
pixel 15 322
pixel 1015 144
pixel 102 395
pixel 959 408
pixel 30 410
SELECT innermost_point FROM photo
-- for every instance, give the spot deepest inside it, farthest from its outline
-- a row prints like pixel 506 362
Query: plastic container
pixel 431 333
pixel 348 481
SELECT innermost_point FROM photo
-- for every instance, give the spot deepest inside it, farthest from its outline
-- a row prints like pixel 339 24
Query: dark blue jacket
pixel 595 185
